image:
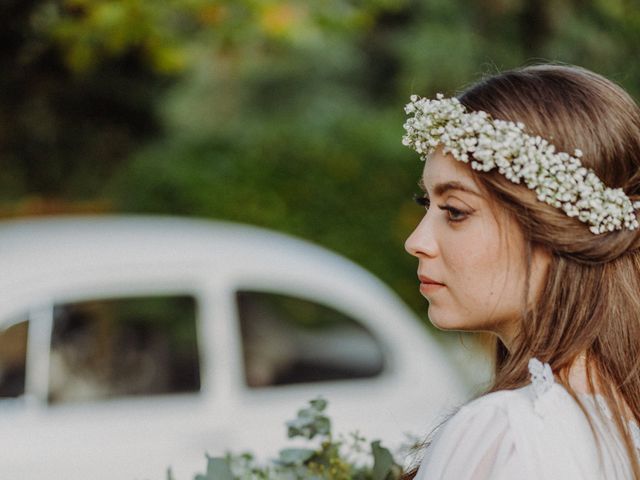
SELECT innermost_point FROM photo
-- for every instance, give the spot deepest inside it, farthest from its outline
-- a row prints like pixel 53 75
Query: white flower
pixel 558 178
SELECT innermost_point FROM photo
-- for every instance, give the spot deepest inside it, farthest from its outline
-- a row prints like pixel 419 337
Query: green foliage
pixel 63 134
pixel 217 469
pixel 310 421
pixel 384 466
pixel 281 113
pixel 165 31
pixel 302 134
pixel 331 460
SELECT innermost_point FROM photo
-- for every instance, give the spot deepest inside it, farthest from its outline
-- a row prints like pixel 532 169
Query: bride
pixel 531 184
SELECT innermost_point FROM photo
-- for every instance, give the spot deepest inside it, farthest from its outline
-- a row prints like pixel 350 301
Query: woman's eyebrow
pixel 441 188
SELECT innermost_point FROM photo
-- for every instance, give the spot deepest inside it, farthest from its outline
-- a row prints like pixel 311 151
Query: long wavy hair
pixel 590 302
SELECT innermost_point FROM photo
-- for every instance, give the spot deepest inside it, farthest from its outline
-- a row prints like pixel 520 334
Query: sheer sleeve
pixel 477 443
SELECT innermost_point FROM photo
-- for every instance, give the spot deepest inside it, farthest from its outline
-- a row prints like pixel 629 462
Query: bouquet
pixel 329 459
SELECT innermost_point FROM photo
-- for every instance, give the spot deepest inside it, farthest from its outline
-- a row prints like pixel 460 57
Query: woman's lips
pixel 427 288
pixel 428 285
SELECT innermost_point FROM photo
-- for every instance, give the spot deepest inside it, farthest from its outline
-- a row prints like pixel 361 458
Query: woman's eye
pixel 454 215
pixel 421 199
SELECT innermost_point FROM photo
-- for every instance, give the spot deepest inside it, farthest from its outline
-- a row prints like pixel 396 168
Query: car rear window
pixel 288 340
pixel 117 347
pixel 13 359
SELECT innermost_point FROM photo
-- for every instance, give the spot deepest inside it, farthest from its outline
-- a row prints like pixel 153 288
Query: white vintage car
pixel 130 344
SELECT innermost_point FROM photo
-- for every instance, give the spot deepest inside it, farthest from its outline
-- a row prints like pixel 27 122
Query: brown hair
pixel 591 300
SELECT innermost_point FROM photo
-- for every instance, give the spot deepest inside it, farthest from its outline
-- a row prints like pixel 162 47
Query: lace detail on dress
pixel 541 376
pixel 541 381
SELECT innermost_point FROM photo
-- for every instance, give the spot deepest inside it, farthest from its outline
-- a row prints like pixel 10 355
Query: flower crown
pixel 559 179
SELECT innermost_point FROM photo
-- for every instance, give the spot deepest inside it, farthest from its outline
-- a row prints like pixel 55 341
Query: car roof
pixel 53 247
pixel 41 243
pixel 151 236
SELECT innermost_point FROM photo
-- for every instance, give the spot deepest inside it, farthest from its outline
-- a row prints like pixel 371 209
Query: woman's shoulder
pixel 531 429
pixel 543 405
pixel 529 399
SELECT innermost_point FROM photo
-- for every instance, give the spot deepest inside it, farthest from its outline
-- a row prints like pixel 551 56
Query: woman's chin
pixel 445 322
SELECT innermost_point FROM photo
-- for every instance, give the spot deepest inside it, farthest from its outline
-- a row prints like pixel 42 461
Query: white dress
pixel 531 433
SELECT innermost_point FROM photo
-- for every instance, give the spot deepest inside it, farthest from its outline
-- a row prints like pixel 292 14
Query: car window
pixel 13 359
pixel 288 340
pixel 123 346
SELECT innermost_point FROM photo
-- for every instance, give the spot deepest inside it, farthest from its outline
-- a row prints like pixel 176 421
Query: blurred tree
pixel 304 136
pixel 283 113
pixel 61 134
pixel 82 77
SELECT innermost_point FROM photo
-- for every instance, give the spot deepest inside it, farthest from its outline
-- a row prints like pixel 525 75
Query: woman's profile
pixel 531 187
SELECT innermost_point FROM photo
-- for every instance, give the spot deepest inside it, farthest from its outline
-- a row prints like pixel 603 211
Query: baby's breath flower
pixel 558 178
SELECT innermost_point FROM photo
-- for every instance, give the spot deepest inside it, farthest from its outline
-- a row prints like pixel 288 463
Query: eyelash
pixel 426 202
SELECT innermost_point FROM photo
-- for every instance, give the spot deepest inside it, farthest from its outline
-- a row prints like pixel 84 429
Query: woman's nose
pixel 421 241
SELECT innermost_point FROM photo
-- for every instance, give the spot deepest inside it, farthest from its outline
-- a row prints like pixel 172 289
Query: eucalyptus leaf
pixel 295 456
pixel 217 469
pixel 329 460
pixel 310 421
pixel 382 461
pixel 319 404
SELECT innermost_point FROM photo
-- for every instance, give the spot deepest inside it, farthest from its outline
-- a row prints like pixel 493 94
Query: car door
pixel 112 380
pixel 298 341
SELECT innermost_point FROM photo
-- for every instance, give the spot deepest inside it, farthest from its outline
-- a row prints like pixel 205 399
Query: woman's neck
pixel 578 376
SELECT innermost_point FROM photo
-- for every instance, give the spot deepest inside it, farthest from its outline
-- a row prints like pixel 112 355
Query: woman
pixel 532 182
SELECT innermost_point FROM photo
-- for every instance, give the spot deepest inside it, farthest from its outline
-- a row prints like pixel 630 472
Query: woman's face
pixel 475 254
